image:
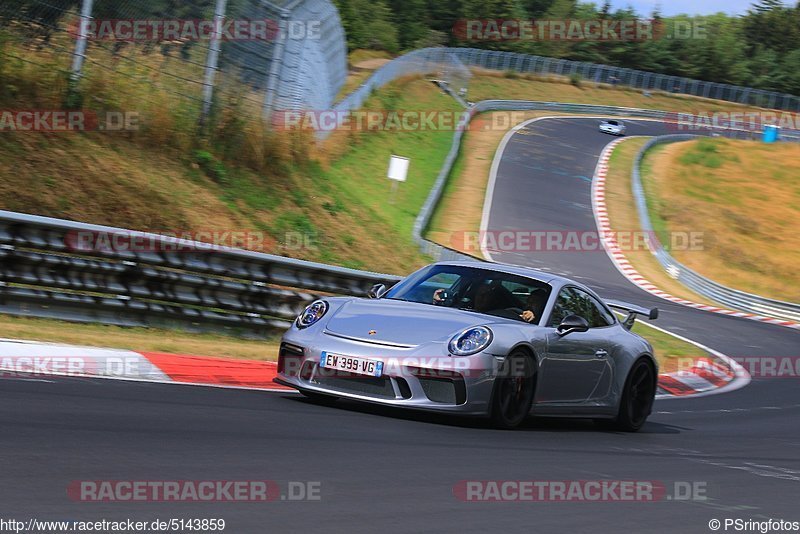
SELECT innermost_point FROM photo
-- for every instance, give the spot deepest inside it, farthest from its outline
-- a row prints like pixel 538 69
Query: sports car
pixel 613 127
pixel 476 339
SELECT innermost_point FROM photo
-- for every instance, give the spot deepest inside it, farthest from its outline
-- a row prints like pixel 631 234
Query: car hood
pixel 397 322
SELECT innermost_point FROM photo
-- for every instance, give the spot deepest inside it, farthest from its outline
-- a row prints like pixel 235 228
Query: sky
pixel 691 7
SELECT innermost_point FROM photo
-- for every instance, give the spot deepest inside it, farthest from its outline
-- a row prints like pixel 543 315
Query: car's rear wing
pixel 633 310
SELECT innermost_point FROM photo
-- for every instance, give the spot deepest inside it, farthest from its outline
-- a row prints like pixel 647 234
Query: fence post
pixel 80 44
pixel 277 63
pixel 211 60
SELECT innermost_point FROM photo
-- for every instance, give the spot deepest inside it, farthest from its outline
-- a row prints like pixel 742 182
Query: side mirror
pixel 572 323
pixel 377 291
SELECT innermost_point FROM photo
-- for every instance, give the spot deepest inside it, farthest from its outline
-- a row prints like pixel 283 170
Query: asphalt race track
pixel 387 471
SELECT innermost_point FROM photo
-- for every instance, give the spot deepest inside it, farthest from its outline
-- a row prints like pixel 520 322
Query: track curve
pixel 392 471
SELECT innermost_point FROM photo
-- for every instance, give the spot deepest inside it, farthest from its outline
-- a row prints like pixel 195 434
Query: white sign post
pixel 398 172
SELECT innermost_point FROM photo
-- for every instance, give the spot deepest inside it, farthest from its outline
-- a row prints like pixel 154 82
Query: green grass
pixel 360 175
pixel 737 195
pixel 705 153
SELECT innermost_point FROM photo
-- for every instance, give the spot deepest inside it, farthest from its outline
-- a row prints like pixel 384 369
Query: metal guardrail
pixel 733 298
pixel 52 268
pixel 453 65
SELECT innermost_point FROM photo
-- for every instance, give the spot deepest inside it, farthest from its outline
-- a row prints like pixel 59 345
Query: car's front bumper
pixel 409 380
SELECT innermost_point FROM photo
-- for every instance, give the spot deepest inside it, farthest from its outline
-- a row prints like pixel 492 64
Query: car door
pixel 576 366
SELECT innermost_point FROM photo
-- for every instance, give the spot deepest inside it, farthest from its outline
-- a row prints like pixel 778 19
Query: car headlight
pixel 313 313
pixel 471 341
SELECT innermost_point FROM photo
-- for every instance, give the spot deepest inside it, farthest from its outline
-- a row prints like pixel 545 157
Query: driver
pixel 439 297
pixel 534 305
pixel 484 300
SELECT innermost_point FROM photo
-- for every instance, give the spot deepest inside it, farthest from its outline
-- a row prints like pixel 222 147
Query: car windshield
pixel 478 290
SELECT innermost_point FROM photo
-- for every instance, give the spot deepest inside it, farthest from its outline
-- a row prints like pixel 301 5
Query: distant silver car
pixel 613 127
pixel 476 339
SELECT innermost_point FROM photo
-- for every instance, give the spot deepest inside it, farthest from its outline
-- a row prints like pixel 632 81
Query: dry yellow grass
pixel 744 197
pixel 139 339
pixel 624 218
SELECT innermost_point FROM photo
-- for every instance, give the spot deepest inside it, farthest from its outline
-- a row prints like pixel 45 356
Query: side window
pixel 571 301
pixel 561 309
pixel 607 316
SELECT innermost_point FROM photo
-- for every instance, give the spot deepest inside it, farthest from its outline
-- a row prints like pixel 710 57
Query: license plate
pixel 351 364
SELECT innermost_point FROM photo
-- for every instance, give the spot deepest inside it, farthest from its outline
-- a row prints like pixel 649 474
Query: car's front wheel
pixel 637 397
pixel 513 390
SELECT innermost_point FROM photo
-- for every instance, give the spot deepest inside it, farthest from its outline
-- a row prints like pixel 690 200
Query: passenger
pixel 485 298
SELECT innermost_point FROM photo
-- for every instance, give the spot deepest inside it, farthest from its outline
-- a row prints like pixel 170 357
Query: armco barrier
pixel 167 283
pixel 738 300
pixel 452 65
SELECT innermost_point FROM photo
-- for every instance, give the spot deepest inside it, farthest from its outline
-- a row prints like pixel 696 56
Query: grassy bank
pixel 337 211
pixel 743 198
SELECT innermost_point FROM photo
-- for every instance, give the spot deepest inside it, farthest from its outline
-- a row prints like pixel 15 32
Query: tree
pixel 410 19
pixel 368 24
pixel 536 8
pixel 791 67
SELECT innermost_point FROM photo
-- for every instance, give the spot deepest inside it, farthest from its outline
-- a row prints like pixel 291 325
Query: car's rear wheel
pixel 637 397
pixel 319 398
pixel 513 390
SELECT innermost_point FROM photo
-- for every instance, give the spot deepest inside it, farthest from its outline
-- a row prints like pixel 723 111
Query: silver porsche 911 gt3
pixel 476 339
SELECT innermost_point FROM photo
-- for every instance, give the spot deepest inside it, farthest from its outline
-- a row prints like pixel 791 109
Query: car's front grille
pixel 445 387
pixel 405 389
pixel 289 358
pixel 361 385
pixel 439 390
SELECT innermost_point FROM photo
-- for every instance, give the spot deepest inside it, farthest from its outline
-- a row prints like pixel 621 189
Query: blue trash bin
pixel 771 133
